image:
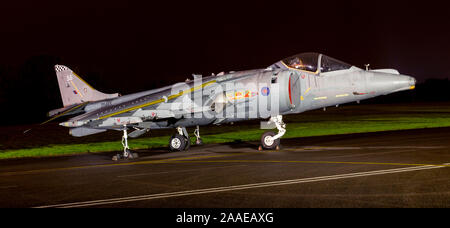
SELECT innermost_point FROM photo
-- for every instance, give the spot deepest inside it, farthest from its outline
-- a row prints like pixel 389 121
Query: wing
pixel 166 108
pixel 154 108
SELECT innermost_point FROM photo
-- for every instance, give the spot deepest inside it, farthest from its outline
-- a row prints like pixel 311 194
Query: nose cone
pixel 404 82
pixel 412 82
pixel 390 83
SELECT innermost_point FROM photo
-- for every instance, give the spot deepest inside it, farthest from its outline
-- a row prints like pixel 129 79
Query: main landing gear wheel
pixel 178 143
pixel 188 143
pixel 267 141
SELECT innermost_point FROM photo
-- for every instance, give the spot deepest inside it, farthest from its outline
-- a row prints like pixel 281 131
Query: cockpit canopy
pixel 312 62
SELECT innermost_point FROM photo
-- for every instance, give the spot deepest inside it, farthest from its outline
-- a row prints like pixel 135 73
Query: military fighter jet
pixel 293 85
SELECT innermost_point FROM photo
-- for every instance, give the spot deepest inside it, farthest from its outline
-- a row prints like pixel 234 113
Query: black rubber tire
pixel 179 144
pixel 116 157
pixel 188 143
pixel 274 144
pixel 130 154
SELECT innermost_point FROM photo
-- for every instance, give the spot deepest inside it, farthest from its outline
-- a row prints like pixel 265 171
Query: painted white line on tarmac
pixel 238 187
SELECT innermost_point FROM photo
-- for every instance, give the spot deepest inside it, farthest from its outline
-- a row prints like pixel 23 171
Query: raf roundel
pixel 265 91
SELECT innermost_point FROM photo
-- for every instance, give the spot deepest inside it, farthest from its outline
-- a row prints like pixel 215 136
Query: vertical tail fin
pixel 75 90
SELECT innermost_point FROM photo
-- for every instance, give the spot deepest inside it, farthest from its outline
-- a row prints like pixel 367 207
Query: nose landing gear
pixel 270 140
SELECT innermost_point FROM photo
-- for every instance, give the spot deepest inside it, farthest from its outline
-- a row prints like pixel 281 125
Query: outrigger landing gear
pixel 127 154
pixel 198 141
pixel 270 140
pixel 180 140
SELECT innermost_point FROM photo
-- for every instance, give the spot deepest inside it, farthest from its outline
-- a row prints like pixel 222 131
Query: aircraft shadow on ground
pixel 239 144
pixel 148 153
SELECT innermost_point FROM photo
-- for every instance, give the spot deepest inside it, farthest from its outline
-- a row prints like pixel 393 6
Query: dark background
pixel 126 47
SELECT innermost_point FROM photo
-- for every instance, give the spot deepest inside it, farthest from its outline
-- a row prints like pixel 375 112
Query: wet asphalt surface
pixel 385 169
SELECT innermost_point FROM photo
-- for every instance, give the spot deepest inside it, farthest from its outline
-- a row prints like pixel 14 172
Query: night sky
pixel 133 46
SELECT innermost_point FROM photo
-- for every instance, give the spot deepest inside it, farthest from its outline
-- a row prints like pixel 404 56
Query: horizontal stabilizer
pixel 69 110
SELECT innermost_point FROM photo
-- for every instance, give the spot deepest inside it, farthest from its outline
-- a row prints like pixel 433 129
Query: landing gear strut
pixel 127 154
pixel 198 141
pixel 270 140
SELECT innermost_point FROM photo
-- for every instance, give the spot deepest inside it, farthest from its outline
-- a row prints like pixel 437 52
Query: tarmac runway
pixel 408 168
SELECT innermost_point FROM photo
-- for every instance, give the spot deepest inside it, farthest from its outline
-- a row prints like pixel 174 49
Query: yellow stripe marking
pixel 170 160
pixel 342 95
pixel 83 80
pixel 320 98
pixel 158 101
pixel 311 162
pixel 307 90
pixel 76 89
pixel 195 160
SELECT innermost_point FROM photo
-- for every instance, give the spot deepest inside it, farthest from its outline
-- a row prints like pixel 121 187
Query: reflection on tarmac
pixel 386 169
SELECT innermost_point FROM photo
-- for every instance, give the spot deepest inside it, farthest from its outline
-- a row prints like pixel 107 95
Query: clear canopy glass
pixel 328 64
pixel 303 61
pixel 310 62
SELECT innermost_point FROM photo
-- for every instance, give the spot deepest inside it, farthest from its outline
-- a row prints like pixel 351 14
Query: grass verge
pixel 312 126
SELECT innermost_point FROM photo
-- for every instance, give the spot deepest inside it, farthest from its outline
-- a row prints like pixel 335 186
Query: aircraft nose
pixel 412 82
pixel 408 82
pixel 389 83
pixel 403 82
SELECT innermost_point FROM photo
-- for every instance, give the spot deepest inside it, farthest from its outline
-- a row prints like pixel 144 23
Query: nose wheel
pixel 270 140
pixel 267 141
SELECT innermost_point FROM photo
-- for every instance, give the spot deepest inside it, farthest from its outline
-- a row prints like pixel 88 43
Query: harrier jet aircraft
pixel 293 85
